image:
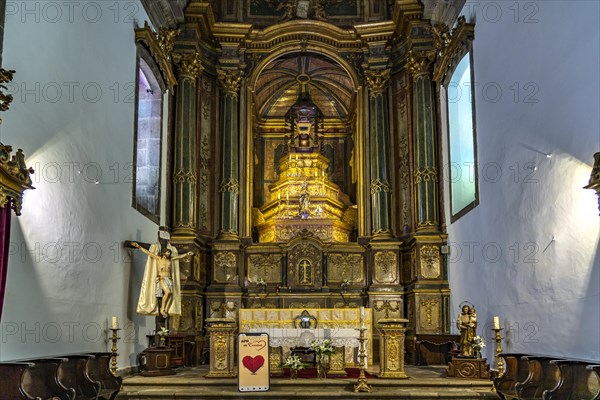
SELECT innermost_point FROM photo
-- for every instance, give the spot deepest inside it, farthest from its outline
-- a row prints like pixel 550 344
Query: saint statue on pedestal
pixel 467 325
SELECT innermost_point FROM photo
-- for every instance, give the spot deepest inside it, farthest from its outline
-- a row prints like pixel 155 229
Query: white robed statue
pixel 161 278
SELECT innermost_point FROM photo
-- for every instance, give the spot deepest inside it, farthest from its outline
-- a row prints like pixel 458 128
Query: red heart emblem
pixel 253 363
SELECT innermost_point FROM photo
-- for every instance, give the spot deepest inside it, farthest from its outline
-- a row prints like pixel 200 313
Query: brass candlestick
pixel 361 384
pixel 498 339
pixel 114 354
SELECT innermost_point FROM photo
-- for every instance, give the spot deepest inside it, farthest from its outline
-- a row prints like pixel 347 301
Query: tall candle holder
pixel 362 385
pixel 114 351
pixel 498 339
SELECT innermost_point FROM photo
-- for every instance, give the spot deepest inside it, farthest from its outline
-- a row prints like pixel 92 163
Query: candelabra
pixel 362 385
pixel 114 354
pixel 498 338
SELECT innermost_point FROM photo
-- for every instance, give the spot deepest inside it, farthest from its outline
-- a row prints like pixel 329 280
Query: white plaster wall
pixel 68 273
pixel 503 259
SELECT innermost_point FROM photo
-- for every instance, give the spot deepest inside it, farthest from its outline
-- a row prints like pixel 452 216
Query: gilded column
pixel 230 139
pixel 425 142
pixel 185 174
pixel 379 140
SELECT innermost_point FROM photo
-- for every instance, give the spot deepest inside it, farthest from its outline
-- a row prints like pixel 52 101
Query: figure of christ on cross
pixel 164 281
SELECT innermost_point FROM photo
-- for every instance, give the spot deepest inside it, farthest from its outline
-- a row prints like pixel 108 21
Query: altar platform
pixel 425 383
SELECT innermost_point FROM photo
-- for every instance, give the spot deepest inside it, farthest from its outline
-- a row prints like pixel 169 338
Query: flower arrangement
pixel 477 343
pixel 294 363
pixel 261 283
pixel 322 349
pixel 162 333
pixel 344 285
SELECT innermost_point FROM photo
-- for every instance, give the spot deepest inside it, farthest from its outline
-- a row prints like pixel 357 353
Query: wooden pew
pixel 11 378
pixel 41 380
pixel 516 370
pixel 98 369
pixel 73 373
pixel 596 370
pixel 576 381
pixel 542 376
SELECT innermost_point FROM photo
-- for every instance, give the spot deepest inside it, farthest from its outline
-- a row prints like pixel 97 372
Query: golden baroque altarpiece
pixel 305 160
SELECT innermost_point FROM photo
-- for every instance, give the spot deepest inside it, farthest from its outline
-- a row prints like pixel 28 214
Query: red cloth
pixel 5 214
pixel 311 373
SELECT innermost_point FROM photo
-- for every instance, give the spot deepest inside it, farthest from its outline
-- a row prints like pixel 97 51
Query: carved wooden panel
pixel 264 266
pixel 430 261
pixel 386 267
pixel 225 267
pixel 345 266
pixel 305 265
pixel 429 315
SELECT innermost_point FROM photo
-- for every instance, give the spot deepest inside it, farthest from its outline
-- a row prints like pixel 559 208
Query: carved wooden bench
pixel 98 370
pixel 11 377
pixel 576 382
pixel 543 375
pixel 73 373
pixel 516 370
pixel 41 380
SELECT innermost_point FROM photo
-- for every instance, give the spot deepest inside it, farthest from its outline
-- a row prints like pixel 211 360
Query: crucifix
pixel 305 272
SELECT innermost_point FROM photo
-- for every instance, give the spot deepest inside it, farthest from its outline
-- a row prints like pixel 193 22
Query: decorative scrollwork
pixel 166 39
pixel 425 175
pixel 378 186
pixel 230 185
pixel 5 99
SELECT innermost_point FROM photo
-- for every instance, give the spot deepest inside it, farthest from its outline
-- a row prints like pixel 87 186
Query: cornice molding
pixel 160 46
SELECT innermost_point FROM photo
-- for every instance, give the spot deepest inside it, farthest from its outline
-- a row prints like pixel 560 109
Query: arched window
pixel 148 135
pixel 462 148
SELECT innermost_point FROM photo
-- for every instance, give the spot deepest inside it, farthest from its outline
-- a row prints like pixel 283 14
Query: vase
pixel 321 371
pixel 293 373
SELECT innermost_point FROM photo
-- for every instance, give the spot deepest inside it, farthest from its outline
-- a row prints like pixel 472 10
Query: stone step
pixel 424 384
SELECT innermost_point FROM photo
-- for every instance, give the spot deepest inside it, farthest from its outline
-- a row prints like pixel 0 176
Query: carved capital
pixel 230 80
pixel 420 63
pixel 377 80
pixel 189 65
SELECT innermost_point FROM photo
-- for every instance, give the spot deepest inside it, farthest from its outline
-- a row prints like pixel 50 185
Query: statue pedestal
pixel 469 368
pixel 158 361
pixel 391 348
pixel 222 347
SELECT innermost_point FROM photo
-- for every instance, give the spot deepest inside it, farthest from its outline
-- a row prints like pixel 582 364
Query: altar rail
pixel 533 377
pixel 65 377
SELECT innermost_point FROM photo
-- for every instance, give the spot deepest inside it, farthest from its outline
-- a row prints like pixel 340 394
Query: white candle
pixel 362 313
pixel 114 323
pixel 278 196
pixel 496 322
pixel 290 160
pixel 287 196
